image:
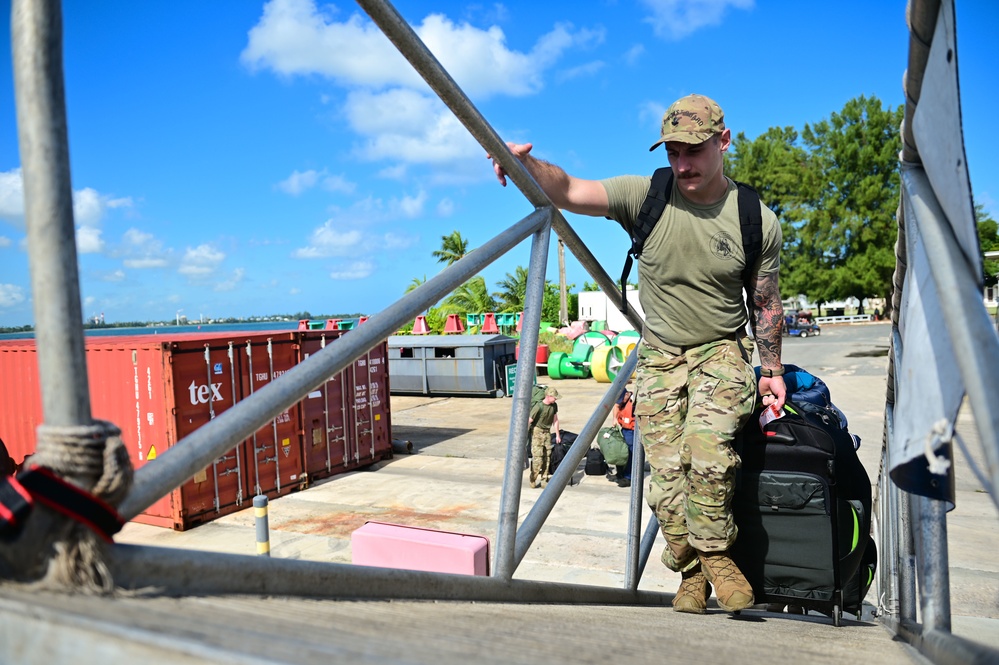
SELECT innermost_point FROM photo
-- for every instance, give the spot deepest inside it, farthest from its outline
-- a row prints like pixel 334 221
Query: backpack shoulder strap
pixel 652 209
pixel 751 223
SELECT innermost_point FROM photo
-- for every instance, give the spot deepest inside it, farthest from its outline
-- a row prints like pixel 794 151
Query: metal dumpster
pixel 449 364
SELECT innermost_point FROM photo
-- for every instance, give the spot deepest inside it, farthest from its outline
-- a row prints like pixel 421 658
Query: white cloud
pixel 10 295
pixel 116 276
pixel 340 235
pixel 200 261
pixel 396 172
pixel 633 54
pixel 651 114
pixel 675 19
pixel 406 126
pixel 298 182
pixel 142 250
pixel 388 104
pixel 338 183
pixel 445 207
pixel 5 241
pixel 582 71
pixel 88 240
pixel 412 206
pixel 294 37
pixel 355 270
pixel 12 196
pixel 397 241
pixel 144 263
pixel 234 279
pixel 89 208
pixel 328 241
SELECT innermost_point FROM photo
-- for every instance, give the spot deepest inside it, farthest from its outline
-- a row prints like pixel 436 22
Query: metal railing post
pixel 36 28
pixel 504 564
pixel 933 563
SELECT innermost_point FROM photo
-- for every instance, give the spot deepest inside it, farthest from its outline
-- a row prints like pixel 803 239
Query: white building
pixel 596 306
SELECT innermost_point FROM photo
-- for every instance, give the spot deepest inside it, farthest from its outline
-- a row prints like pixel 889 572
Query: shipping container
pixel 346 420
pixel 160 388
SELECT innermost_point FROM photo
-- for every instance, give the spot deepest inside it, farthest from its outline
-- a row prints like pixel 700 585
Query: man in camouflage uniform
pixel 695 385
pixel 544 414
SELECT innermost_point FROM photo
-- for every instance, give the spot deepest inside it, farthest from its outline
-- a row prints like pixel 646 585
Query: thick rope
pixel 89 453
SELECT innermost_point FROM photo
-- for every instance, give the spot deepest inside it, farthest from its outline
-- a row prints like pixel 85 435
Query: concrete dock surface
pixel 452 482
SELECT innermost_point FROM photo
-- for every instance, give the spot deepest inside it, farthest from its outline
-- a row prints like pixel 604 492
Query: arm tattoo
pixel 767 318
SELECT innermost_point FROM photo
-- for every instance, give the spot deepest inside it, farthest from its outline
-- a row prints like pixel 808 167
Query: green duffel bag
pixel 612 445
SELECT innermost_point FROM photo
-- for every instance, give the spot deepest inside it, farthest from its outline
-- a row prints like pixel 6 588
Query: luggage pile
pixel 803 508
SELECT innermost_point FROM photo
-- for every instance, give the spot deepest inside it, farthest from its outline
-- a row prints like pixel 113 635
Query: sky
pixel 241 158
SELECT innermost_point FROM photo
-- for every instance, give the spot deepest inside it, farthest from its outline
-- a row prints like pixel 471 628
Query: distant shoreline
pixel 169 330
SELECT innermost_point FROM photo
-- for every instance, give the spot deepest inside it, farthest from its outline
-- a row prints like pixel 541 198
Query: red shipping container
pixel 158 389
pixel 346 420
pixel 275 450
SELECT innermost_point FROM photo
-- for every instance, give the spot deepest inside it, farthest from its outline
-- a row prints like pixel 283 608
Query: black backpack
pixel 750 218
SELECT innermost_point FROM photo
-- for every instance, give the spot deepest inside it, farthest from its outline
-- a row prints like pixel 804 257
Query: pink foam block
pixel 412 548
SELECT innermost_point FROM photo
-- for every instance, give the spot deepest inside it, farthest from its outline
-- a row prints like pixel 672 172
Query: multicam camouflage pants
pixel 689 407
pixel 541 453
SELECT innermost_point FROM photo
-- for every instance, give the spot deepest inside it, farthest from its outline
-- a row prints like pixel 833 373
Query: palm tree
pixel 453 247
pixel 512 291
pixel 472 297
pixel 417 281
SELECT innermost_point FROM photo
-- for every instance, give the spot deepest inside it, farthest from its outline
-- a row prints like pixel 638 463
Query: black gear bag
pixel 803 508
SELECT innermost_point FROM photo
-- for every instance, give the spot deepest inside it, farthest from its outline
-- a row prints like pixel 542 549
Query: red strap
pixel 15 506
pixel 50 490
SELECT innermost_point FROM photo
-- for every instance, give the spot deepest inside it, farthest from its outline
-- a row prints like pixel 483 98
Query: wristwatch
pixel 771 373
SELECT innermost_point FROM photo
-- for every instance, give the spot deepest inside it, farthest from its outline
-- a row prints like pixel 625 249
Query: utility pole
pixel 563 307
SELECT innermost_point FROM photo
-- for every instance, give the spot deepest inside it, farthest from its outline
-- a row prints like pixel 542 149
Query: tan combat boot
pixel 733 591
pixel 692 596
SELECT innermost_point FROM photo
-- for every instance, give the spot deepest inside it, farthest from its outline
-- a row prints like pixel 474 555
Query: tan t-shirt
pixel 690 270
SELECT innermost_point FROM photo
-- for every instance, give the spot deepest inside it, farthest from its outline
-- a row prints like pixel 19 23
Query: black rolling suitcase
pixel 803 508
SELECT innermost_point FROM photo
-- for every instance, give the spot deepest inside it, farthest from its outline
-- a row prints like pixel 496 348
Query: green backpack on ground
pixel 612 445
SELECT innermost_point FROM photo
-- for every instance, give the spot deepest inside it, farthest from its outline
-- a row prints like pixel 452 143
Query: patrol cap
pixel 551 392
pixel 691 119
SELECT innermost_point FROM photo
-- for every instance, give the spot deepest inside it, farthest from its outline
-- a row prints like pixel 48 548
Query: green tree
pixel 417 281
pixel 852 195
pixel 513 290
pixel 510 297
pixel 988 240
pixel 453 248
pixel 835 188
pixel 779 168
pixel 472 297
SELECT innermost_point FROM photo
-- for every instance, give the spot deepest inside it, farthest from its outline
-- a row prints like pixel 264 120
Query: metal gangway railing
pixel 932 245
pixel 36 28
pixel 943 348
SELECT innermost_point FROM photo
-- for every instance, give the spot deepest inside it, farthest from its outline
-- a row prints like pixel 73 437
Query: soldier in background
pixel 623 415
pixel 544 415
pixel 695 385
